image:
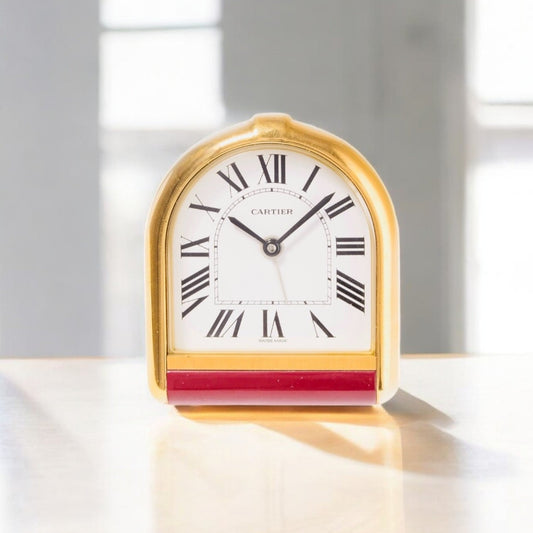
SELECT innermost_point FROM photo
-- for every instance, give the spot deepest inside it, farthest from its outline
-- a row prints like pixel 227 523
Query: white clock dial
pixel 271 246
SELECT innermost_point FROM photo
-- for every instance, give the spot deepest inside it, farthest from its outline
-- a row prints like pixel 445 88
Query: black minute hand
pixel 246 229
pixel 306 217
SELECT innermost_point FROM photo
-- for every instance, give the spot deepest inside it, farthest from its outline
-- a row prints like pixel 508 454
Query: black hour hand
pixel 246 229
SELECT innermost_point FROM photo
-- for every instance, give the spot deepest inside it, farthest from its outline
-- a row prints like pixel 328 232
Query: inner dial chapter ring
pixel 270 246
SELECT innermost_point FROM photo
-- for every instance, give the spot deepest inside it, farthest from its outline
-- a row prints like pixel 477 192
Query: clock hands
pixel 246 229
pixel 306 217
pixel 272 247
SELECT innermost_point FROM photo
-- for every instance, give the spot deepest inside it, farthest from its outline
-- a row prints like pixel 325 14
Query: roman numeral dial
pixel 270 251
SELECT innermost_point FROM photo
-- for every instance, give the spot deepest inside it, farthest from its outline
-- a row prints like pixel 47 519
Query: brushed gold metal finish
pixel 270 361
pixel 278 129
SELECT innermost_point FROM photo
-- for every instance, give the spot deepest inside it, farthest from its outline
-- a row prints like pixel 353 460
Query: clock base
pixel 268 387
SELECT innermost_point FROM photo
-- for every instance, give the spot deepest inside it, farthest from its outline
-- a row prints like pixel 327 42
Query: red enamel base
pixel 261 387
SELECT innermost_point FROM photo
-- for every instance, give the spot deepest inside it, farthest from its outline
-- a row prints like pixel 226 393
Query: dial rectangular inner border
pixel 218 300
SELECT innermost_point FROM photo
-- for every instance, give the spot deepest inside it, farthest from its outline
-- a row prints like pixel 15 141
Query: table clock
pixel 272 266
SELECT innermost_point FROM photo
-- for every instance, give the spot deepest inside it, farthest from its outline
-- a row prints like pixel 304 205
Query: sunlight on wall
pixel 499 213
pixel 161 79
pixel 161 13
pixel 502 49
pixel 500 246
pixel 160 91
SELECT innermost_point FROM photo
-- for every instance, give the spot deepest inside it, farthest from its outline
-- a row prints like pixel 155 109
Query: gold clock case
pixel 281 130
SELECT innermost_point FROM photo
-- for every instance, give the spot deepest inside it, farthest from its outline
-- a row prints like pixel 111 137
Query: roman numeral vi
pixel 267 332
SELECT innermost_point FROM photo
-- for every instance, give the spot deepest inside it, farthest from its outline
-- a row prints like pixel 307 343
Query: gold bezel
pixel 279 129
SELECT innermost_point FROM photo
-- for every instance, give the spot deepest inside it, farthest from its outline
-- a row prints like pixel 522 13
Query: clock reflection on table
pixel 270 469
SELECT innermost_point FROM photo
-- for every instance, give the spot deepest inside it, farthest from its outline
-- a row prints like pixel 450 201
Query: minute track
pixel 259 196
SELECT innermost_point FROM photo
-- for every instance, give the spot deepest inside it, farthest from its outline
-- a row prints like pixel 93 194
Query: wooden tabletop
pixel 84 448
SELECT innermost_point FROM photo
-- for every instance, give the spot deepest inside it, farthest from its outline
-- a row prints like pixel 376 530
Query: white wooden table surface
pixel 84 448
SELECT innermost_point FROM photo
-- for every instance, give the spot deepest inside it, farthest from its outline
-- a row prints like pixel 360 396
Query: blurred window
pixel 122 14
pixel 160 91
pixel 160 79
pixel 500 187
pixel 502 48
